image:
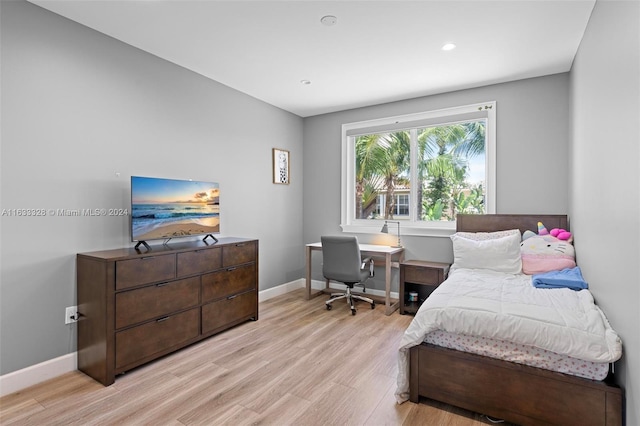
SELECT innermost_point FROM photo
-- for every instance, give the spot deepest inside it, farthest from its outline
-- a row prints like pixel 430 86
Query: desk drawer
pixel 136 344
pixel 145 270
pixel 146 303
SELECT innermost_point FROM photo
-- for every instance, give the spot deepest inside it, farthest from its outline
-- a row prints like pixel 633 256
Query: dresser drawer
pixel 217 315
pixel 419 275
pixel 199 261
pixel 136 344
pixel 228 282
pixel 236 254
pixel 146 303
pixel 145 270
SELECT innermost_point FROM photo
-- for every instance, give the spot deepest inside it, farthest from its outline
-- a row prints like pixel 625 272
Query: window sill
pixel 444 230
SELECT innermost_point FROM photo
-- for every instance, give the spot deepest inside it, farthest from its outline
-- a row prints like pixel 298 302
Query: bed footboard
pixel 514 392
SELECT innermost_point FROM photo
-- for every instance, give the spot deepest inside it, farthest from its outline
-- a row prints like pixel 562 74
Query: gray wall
pixel 605 177
pixel 532 149
pixel 77 107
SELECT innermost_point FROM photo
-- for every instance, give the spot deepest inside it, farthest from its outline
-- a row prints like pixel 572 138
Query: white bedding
pixel 485 303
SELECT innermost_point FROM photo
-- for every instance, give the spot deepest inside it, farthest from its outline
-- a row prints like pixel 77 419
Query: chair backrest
pixel 341 259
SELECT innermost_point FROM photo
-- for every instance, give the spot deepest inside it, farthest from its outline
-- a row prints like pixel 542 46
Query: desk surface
pixel 375 248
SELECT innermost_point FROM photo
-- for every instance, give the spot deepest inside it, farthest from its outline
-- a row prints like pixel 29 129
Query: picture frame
pixel 281 166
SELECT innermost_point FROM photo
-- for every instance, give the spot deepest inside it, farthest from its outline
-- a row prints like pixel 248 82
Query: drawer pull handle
pixel 147 258
pixel 162 319
pixel 162 284
pixel 232 269
pixel 240 245
pixel 232 297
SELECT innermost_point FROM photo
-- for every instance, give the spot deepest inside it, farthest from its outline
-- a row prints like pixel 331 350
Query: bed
pixel 514 392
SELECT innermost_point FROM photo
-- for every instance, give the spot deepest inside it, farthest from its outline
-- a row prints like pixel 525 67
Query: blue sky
pixel 155 190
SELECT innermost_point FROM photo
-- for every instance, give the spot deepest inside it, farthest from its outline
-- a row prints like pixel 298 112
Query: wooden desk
pixel 392 257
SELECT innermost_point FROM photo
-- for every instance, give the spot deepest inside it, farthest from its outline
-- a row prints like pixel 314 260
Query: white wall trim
pixel 279 290
pixel 32 375
pixel 315 284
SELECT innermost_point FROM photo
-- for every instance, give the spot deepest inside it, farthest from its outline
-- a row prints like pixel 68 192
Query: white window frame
pixel 430 118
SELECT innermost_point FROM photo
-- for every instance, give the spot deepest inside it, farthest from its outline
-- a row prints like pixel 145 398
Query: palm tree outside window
pixel 443 181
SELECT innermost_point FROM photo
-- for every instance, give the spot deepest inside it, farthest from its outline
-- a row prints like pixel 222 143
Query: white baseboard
pixel 279 290
pixel 315 284
pixel 29 376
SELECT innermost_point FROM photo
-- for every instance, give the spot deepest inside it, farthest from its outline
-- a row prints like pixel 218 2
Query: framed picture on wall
pixel 280 166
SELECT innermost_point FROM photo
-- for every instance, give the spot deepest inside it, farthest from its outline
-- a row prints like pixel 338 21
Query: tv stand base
pixel 144 243
pixel 215 240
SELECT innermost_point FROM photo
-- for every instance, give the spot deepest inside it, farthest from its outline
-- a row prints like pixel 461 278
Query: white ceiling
pixel 378 51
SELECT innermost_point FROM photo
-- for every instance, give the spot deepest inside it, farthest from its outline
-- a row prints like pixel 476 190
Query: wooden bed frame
pixel 506 390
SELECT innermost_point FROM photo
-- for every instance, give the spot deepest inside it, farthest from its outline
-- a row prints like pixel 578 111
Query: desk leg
pixel 387 285
pixel 389 308
pixel 308 294
pixel 308 278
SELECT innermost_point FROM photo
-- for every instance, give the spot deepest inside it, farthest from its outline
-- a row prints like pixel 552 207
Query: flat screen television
pixel 171 208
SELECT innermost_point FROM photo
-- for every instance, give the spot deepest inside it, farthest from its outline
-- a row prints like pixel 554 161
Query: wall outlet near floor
pixel 71 314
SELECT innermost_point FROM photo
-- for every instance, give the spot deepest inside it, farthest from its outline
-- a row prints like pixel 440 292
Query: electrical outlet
pixel 71 314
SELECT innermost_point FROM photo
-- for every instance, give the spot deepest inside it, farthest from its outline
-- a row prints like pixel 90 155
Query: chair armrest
pixel 368 260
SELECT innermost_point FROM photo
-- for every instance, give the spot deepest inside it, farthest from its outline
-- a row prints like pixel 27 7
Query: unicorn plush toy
pixel 547 251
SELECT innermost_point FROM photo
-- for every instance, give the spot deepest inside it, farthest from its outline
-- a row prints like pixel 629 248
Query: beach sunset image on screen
pixel 170 208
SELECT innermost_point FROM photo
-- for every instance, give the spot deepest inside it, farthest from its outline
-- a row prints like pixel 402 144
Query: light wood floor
pixel 299 364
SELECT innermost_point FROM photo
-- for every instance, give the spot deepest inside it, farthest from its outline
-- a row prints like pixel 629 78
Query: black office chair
pixel 341 261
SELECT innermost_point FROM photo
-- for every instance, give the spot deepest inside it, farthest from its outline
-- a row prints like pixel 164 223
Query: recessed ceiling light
pixel 305 82
pixel 329 20
pixel 449 46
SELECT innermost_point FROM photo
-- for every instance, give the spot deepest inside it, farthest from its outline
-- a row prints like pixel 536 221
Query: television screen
pixel 169 208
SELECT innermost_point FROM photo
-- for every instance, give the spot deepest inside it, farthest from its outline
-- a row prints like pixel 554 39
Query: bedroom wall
pixel 605 177
pixel 532 149
pixel 77 107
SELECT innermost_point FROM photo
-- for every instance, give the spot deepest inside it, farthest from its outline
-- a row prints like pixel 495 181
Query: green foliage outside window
pixel 442 156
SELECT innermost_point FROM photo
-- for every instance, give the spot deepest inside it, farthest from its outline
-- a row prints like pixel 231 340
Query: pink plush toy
pixel 561 234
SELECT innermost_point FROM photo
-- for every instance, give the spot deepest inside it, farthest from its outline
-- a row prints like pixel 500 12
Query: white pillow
pixel 481 236
pixel 498 254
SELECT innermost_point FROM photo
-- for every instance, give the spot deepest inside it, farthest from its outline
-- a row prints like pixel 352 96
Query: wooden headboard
pixel 501 222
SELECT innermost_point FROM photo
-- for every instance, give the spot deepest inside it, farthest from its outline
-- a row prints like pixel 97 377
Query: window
pixel 400 206
pixel 421 169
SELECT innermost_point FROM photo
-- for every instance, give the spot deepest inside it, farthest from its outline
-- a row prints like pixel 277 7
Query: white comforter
pixel 503 306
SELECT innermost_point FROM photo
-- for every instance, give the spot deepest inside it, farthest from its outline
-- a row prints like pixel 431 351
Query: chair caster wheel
pixel 328 307
pixel 353 312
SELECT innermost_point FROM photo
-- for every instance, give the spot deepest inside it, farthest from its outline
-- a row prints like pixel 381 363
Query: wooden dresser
pixel 136 306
